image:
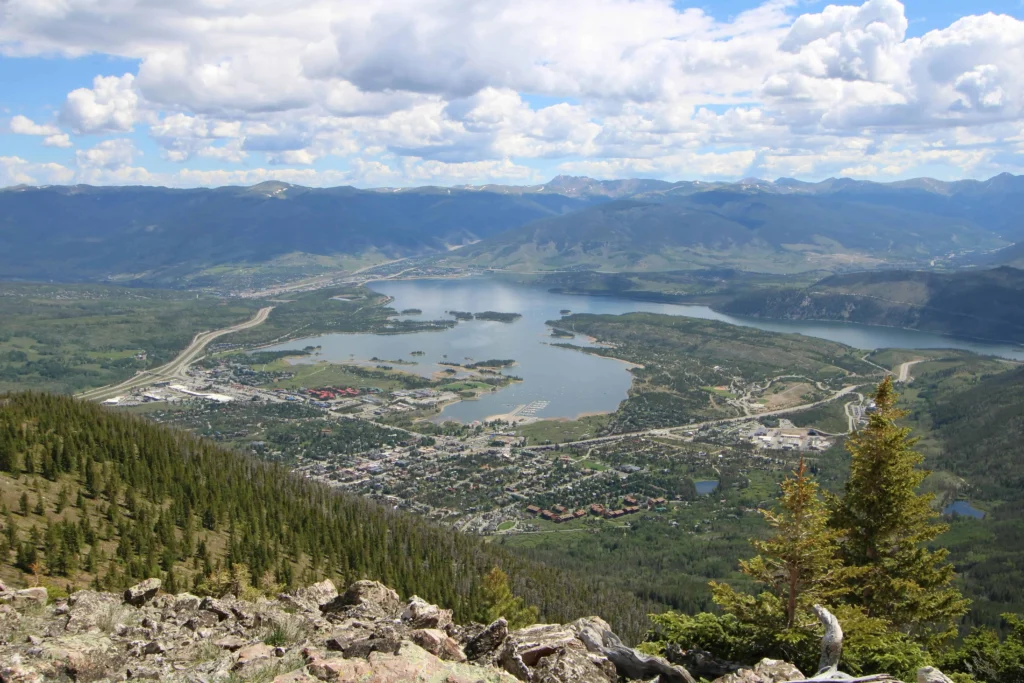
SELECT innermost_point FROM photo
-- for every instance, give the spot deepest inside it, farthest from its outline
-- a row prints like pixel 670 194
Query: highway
pixel 667 431
pixel 177 367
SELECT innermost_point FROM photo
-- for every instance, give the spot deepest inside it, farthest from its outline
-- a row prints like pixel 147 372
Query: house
pixel 533 509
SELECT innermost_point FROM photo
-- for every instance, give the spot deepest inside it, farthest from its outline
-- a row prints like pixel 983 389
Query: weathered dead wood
pixel 628 662
pixel 831 643
pixel 831 650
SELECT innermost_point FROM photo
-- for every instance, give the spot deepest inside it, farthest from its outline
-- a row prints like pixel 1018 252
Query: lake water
pixel 705 487
pixel 558 382
pixel 963 509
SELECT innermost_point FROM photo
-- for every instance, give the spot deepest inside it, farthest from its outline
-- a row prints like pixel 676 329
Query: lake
pixel 962 508
pixel 706 487
pixel 557 382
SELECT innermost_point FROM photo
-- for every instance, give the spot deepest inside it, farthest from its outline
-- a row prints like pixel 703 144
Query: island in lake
pixel 460 315
pixel 498 317
pixel 412 311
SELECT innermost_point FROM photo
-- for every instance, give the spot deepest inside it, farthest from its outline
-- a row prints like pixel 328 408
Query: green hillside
pixel 91 497
pixel 985 304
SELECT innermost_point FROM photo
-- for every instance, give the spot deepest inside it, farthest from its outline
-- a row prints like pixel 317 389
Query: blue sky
pixel 445 92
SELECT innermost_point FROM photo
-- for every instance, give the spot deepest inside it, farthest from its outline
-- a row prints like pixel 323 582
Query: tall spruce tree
pixel 886 523
pixel 798 565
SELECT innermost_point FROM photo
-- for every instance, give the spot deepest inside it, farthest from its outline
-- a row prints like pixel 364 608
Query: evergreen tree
pixel 499 601
pixel 885 524
pixel 798 566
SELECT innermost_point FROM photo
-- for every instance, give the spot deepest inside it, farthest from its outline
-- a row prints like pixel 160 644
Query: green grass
pixel 556 431
pixel 505 526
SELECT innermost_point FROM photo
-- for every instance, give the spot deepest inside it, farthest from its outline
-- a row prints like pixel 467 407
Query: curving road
pixel 177 367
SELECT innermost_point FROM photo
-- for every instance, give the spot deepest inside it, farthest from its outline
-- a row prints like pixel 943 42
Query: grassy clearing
pixel 557 431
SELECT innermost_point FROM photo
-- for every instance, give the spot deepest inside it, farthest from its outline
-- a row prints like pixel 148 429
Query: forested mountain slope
pixel 984 304
pixel 977 434
pixel 165 235
pixel 152 233
pixel 96 498
pixel 748 229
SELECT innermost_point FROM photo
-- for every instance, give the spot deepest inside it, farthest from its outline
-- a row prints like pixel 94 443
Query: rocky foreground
pixel 366 635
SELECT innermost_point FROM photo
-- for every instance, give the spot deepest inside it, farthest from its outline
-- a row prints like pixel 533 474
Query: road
pixel 176 368
pixel 904 373
pixel 667 431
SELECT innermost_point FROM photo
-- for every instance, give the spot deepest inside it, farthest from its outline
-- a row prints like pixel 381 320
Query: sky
pixel 394 93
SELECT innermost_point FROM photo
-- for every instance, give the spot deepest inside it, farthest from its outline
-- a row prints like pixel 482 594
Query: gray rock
pixel 89 611
pixel 438 643
pixel 311 598
pixel 374 599
pixel 215 607
pixel 573 664
pixel 421 614
pixel 488 642
pixel 231 643
pixel 765 671
pixel 185 602
pixel 141 593
pixel 154 647
pixel 929 674
pixel 252 654
pixel 25 598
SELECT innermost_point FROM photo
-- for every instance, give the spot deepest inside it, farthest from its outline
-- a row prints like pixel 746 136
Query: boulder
pixel 765 671
pixel 17 673
pixel 488 642
pixel 362 647
pixel 215 607
pixel 421 614
pixel 141 593
pixel 185 602
pixel 509 660
pixel 26 598
pixel 573 664
pixel 374 599
pixel 540 640
pixel 414 664
pixel 154 647
pixel 230 643
pixel 252 655
pixel 338 669
pixel 85 656
pixel 310 598
pixel 89 611
pixel 929 674
pixel 438 643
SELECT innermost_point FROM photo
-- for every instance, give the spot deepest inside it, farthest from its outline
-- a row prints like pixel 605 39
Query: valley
pixel 709 417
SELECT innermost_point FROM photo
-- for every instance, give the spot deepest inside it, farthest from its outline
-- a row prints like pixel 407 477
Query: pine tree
pixel 798 566
pixel 885 524
pixel 499 601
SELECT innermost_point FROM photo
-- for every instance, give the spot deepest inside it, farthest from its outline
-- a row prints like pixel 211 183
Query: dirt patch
pixel 790 396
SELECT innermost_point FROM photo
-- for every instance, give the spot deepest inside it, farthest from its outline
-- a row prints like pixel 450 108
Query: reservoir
pixel 557 382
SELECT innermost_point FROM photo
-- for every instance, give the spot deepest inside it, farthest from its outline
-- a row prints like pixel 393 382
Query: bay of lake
pixel 559 382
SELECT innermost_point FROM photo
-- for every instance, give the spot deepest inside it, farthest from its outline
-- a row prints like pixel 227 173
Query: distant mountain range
pixel 982 304
pixel 154 233
pixel 160 234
